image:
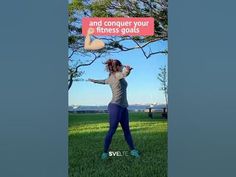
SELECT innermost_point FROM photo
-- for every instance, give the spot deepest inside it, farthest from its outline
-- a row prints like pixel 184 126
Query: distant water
pixel 101 108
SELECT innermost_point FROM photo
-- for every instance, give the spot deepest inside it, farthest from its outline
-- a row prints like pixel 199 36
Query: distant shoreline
pixel 132 108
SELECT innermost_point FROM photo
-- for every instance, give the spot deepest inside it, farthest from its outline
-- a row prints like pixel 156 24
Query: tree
pixel 78 9
pixel 163 78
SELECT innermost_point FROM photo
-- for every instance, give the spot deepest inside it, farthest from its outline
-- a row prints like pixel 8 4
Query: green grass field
pixel 86 135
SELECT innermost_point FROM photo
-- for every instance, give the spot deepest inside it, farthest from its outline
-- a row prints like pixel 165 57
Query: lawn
pixel 86 135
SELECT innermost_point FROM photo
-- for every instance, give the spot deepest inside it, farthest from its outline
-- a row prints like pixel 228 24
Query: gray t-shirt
pixel 118 86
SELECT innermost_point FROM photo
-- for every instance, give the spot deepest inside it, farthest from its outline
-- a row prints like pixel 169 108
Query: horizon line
pixel 129 104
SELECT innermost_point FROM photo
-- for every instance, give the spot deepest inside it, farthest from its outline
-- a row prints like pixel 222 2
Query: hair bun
pixel 109 62
pixel 112 65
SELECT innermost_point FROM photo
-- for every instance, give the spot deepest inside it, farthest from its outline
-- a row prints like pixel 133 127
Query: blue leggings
pixel 118 114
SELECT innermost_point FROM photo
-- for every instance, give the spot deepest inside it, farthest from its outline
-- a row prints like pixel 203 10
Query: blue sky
pixel 143 85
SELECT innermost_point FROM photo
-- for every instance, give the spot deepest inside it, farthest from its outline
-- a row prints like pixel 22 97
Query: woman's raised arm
pixel 125 72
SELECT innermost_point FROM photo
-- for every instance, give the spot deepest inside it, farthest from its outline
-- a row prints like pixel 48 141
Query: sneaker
pixel 135 153
pixel 104 156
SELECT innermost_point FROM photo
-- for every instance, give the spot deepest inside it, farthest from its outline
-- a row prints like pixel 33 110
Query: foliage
pixel 78 9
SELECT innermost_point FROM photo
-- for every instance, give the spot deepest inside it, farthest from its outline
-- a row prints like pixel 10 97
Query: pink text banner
pixel 121 26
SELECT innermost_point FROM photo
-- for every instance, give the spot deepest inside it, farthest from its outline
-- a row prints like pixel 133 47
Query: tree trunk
pixel 70 81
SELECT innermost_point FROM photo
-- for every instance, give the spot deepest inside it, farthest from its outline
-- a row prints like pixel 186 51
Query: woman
pixel 117 108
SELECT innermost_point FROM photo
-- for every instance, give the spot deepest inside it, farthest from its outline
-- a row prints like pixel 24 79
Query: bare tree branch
pixel 150 53
pixel 73 72
pixel 113 44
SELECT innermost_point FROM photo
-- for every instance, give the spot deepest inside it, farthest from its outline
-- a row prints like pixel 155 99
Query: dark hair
pixel 112 65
